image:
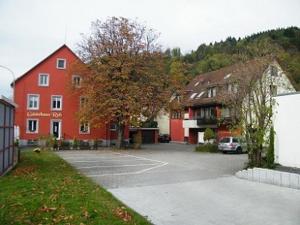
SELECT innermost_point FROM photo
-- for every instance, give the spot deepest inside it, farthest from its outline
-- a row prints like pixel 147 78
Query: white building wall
pixel 163 122
pixel 287 128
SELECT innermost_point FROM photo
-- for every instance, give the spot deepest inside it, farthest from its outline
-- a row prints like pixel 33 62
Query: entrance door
pixel 55 128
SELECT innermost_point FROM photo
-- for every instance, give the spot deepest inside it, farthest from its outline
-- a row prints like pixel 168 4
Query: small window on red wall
pixel 61 64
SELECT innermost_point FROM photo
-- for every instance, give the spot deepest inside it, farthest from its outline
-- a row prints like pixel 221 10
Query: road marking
pixel 89 167
pixel 161 164
pixel 127 173
pixel 112 160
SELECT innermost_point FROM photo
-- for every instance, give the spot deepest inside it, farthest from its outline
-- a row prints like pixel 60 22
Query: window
pixel 32 126
pixel 82 101
pixel 273 71
pixel 43 79
pixel 61 64
pixel 56 102
pixel 76 80
pixel 225 113
pixel 176 115
pixel 212 92
pixel 33 101
pixel 235 140
pixel 84 128
pixel 229 87
pixel 273 90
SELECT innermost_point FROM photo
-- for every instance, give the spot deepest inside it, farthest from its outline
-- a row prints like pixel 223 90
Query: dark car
pixel 164 138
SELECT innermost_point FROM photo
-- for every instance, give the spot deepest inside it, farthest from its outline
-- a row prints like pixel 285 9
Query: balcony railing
pixel 207 121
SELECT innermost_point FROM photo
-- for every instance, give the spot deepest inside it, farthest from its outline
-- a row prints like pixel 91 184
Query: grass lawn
pixel 44 189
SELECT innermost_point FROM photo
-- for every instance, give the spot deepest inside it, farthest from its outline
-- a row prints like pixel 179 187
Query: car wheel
pixel 239 150
pixel 224 152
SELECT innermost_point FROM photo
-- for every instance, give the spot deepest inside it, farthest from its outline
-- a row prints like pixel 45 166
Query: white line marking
pixel 113 160
pixel 89 167
pixel 161 164
pixel 129 173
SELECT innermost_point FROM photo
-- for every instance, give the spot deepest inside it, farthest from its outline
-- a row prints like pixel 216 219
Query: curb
pixel 261 175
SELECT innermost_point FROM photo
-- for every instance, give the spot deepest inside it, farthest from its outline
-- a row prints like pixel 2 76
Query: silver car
pixel 232 144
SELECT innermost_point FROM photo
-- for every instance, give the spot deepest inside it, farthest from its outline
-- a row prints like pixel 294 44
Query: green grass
pixel 44 189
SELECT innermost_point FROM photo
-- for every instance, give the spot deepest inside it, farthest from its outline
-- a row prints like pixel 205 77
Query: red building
pixel 203 101
pixel 47 106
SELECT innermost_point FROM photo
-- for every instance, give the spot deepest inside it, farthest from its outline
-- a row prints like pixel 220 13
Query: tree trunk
pixel 120 136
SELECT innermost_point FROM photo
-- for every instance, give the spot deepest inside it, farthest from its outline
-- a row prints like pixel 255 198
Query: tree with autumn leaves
pixel 123 75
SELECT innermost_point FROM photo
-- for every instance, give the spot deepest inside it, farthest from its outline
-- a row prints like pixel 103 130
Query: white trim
pixel 39 79
pixel 61 103
pixel 37 126
pixel 88 132
pixel 38 102
pixel 59 127
pixel 65 64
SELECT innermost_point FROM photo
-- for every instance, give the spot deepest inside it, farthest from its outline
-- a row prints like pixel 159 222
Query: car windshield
pixel 225 140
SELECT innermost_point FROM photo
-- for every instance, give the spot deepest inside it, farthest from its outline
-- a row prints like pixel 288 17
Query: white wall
pixel 163 122
pixel 287 128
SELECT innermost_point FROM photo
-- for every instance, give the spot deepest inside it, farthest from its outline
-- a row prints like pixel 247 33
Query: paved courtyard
pixel 171 184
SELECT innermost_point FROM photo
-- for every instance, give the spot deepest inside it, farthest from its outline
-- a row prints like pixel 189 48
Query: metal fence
pixel 8 155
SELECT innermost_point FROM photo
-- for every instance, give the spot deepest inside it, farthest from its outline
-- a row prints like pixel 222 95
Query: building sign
pixel 41 114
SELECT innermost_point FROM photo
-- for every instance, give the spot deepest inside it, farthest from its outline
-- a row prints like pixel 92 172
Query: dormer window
pixel 273 71
pixel 61 64
pixel 76 80
pixel 212 92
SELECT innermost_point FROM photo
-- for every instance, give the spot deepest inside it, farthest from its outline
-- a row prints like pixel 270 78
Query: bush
pixel 207 148
pixel 65 145
pixel 208 134
pixel 270 150
pixel 75 143
pixel 96 143
pixel 84 145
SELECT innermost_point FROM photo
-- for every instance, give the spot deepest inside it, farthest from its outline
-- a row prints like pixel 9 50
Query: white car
pixel 232 144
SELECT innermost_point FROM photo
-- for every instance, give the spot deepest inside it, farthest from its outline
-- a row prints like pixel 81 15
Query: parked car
pixel 164 138
pixel 232 144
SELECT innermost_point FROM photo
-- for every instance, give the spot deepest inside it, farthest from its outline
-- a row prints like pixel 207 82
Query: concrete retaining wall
pixel 268 176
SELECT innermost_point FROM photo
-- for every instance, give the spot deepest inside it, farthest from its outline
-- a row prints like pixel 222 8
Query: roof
pixel 45 59
pixel 220 78
pixel 7 101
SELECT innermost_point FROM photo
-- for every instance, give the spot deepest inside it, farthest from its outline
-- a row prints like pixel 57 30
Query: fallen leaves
pixel 26 170
pixel 47 209
pixel 123 214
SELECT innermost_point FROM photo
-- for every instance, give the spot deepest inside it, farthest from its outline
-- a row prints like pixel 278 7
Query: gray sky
pixel 32 29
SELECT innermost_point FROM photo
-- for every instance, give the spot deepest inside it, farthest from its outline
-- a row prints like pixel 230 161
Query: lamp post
pixel 14 79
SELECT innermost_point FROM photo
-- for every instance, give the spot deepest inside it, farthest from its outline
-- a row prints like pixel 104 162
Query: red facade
pixel 47 106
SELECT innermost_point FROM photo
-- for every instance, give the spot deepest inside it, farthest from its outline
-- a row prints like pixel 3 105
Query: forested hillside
pixel 282 43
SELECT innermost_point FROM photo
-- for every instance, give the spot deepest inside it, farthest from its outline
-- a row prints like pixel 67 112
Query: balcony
pixel 207 122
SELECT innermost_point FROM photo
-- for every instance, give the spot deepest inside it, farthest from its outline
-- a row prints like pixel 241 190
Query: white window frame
pixel 27 126
pixel 65 64
pixel 88 130
pixel 61 102
pixel 75 84
pixel 38 102
pixel 43 74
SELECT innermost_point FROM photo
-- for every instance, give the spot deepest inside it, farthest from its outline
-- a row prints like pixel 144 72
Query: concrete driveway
pixel 171 184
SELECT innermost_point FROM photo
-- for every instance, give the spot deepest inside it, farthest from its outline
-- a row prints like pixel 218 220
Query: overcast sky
pixel 32 29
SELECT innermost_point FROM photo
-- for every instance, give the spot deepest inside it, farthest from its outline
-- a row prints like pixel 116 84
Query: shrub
pixel 65 145
pixel 207 148
pixel 84 145
pixel 270 150
pixel 208 134
pixel 75 143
